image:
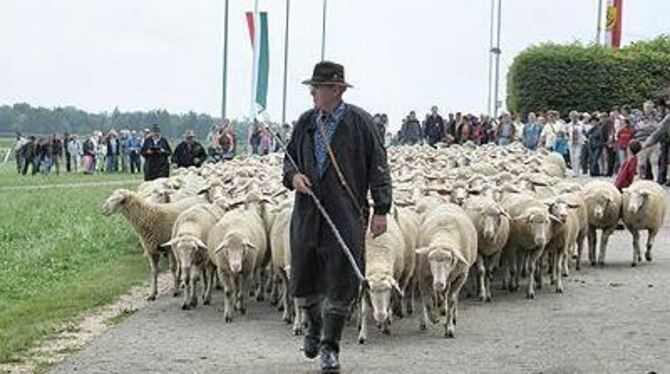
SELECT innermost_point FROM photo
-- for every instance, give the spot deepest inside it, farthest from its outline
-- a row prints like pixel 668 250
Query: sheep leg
pixel 187 291
pixel 451 303
pixel 580 248
pixel 409 296
pixel 520 263
pixel 153 261
pixel 245 284
pixel 260 295
pixel 175 269
pixel 650 243
pixel 229 292
pixel 210 277
pixel 298 320
pixel 636 246
pixel 286 316
pixel 565 263
pixel 193 293
pixel 363 330
pixel 532 265
pixel 559 260
pixel 481 277
pixel 427 301
pixel 593 238
pixel 603 245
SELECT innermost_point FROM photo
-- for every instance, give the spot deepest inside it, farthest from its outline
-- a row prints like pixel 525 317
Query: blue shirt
pixel 531 135
pixel 329 123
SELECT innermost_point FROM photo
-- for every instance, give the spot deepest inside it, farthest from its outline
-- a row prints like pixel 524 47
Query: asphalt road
pixel 609 320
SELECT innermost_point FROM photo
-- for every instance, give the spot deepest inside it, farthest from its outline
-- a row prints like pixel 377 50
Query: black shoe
pixel 311 343
pixel 330 344
pixel 330 363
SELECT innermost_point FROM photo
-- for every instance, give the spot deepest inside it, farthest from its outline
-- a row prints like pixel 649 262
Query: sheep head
pixel 636 199
pixel 235 246
pixel 192 254
pixel 115 202
pixel 442 262
pixel 380 288
pixel 539 223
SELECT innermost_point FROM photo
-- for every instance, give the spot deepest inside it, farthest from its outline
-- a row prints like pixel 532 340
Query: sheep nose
pixel 380 317
pixel 541 241
pixel 236 268
pixel 439 286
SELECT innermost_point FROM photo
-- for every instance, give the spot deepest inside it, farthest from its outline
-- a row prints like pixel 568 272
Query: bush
pixel 587 78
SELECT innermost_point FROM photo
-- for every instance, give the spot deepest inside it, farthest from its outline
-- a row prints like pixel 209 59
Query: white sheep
pixel 153 225
pixel 492 223
pixel 530 231
pixel 563 237
pixel 384 267
pixel 189 234
pixel 643 209
pixel 237 245
pixel 603 201
pixel 447 250
pixel 409 223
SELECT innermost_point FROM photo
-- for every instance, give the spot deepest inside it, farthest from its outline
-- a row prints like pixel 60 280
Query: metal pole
pixel 225 61
pixel 599 23
pixel 323 31
pixel 488 105
pixel 283 109
pixel 497 52
pixel 254 64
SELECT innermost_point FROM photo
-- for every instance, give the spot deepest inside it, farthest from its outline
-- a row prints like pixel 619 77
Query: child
pixel 629 168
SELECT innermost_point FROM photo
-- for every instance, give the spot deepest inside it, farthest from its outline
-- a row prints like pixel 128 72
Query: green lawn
pixel 59 256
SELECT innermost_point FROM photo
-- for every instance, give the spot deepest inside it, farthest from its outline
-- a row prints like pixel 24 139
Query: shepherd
pixel 340 157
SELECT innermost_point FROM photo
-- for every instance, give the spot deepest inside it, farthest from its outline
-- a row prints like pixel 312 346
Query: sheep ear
pixel 624 190
pixel 573 205
pixel 396 286
pixel 200 243
pixel 554 218
pixel 421 251
pixel 221 246
pixel 249 244
pixel 505 214
pixel 169 243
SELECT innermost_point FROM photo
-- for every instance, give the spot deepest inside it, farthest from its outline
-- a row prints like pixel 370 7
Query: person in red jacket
pixel 624 136
pixel 629 168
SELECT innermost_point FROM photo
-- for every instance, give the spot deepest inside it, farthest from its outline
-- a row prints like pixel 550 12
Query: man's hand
pixel 378 225
pixel 302 184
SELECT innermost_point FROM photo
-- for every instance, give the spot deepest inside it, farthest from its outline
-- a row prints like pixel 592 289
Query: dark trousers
pixel 584 162
pixel 610 155
pixel 68 161
pixel 135 163
pixel 663 162
pixel 29 162
pixel 594 159
pixel 19 162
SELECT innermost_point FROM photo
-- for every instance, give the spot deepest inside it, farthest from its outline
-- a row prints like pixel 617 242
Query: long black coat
pixel 157 163
pixel 362 159
pixel 185 154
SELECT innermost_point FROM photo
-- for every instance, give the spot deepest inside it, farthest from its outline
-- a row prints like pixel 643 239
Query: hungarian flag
pixel 261 47
pixel 613 23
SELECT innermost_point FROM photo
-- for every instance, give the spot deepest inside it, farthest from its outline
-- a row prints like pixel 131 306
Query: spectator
pixel 89 151
pixel 434 128
pixel 113 149
pixel 532 131
pixel 44 152
pixel 189 152
pixel 124 155
pixel 66 151
pixel 550 130
pixel 506 130
pixel 588 124
pixel 596 138
pixel 411 130
pixel 624 137
pixel 29 155
pixel 464 131
pixel 610 143
pixel 629 167
pixel 21 141
pixel 134 147
pixel 576 140
pixel 518 128
pixel 450 126
pixel 156 151
pixel 56 152
pixel 255 139
pixel 265 144
pixel 74 150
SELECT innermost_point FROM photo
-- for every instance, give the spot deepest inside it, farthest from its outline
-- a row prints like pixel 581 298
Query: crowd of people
pixel 595 144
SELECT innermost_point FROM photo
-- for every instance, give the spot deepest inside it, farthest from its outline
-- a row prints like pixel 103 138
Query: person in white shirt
pixel 576 140
pixel 74 149
pixel 18 148
pixel 550 130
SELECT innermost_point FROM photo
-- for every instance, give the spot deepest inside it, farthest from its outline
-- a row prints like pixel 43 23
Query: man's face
pixel 189 140
pixel 433 110
pixel 325 96
pixel 155 134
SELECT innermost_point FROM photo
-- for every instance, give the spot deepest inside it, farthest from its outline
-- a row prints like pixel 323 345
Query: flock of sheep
pixel 463 217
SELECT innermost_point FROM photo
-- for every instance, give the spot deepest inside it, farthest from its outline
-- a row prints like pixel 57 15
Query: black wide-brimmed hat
pixel 155 128
pixel 327 73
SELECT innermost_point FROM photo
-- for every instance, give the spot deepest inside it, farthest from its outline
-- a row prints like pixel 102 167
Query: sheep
pixel 643 209
pixel 153 225
pixel 576 200
pixel 409 222
pixel 280 247
pixel 189 233
pixel 492 223
pixel 237 245
pixel 447 250
pixel 530 230
pixel 563 236
pixel 603 201
pixel 384 267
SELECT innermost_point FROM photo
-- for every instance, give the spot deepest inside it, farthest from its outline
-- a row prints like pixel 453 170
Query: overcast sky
pixel 400 55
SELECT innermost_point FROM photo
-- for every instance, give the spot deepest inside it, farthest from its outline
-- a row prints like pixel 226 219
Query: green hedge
pixel 587 78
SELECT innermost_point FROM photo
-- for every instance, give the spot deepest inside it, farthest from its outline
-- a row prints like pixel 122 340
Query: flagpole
pixel 488 105
pixel 283 109
pixel 323 31
pixel 599 23
pixel 224 83
pixel 254 74
pixel 497 52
